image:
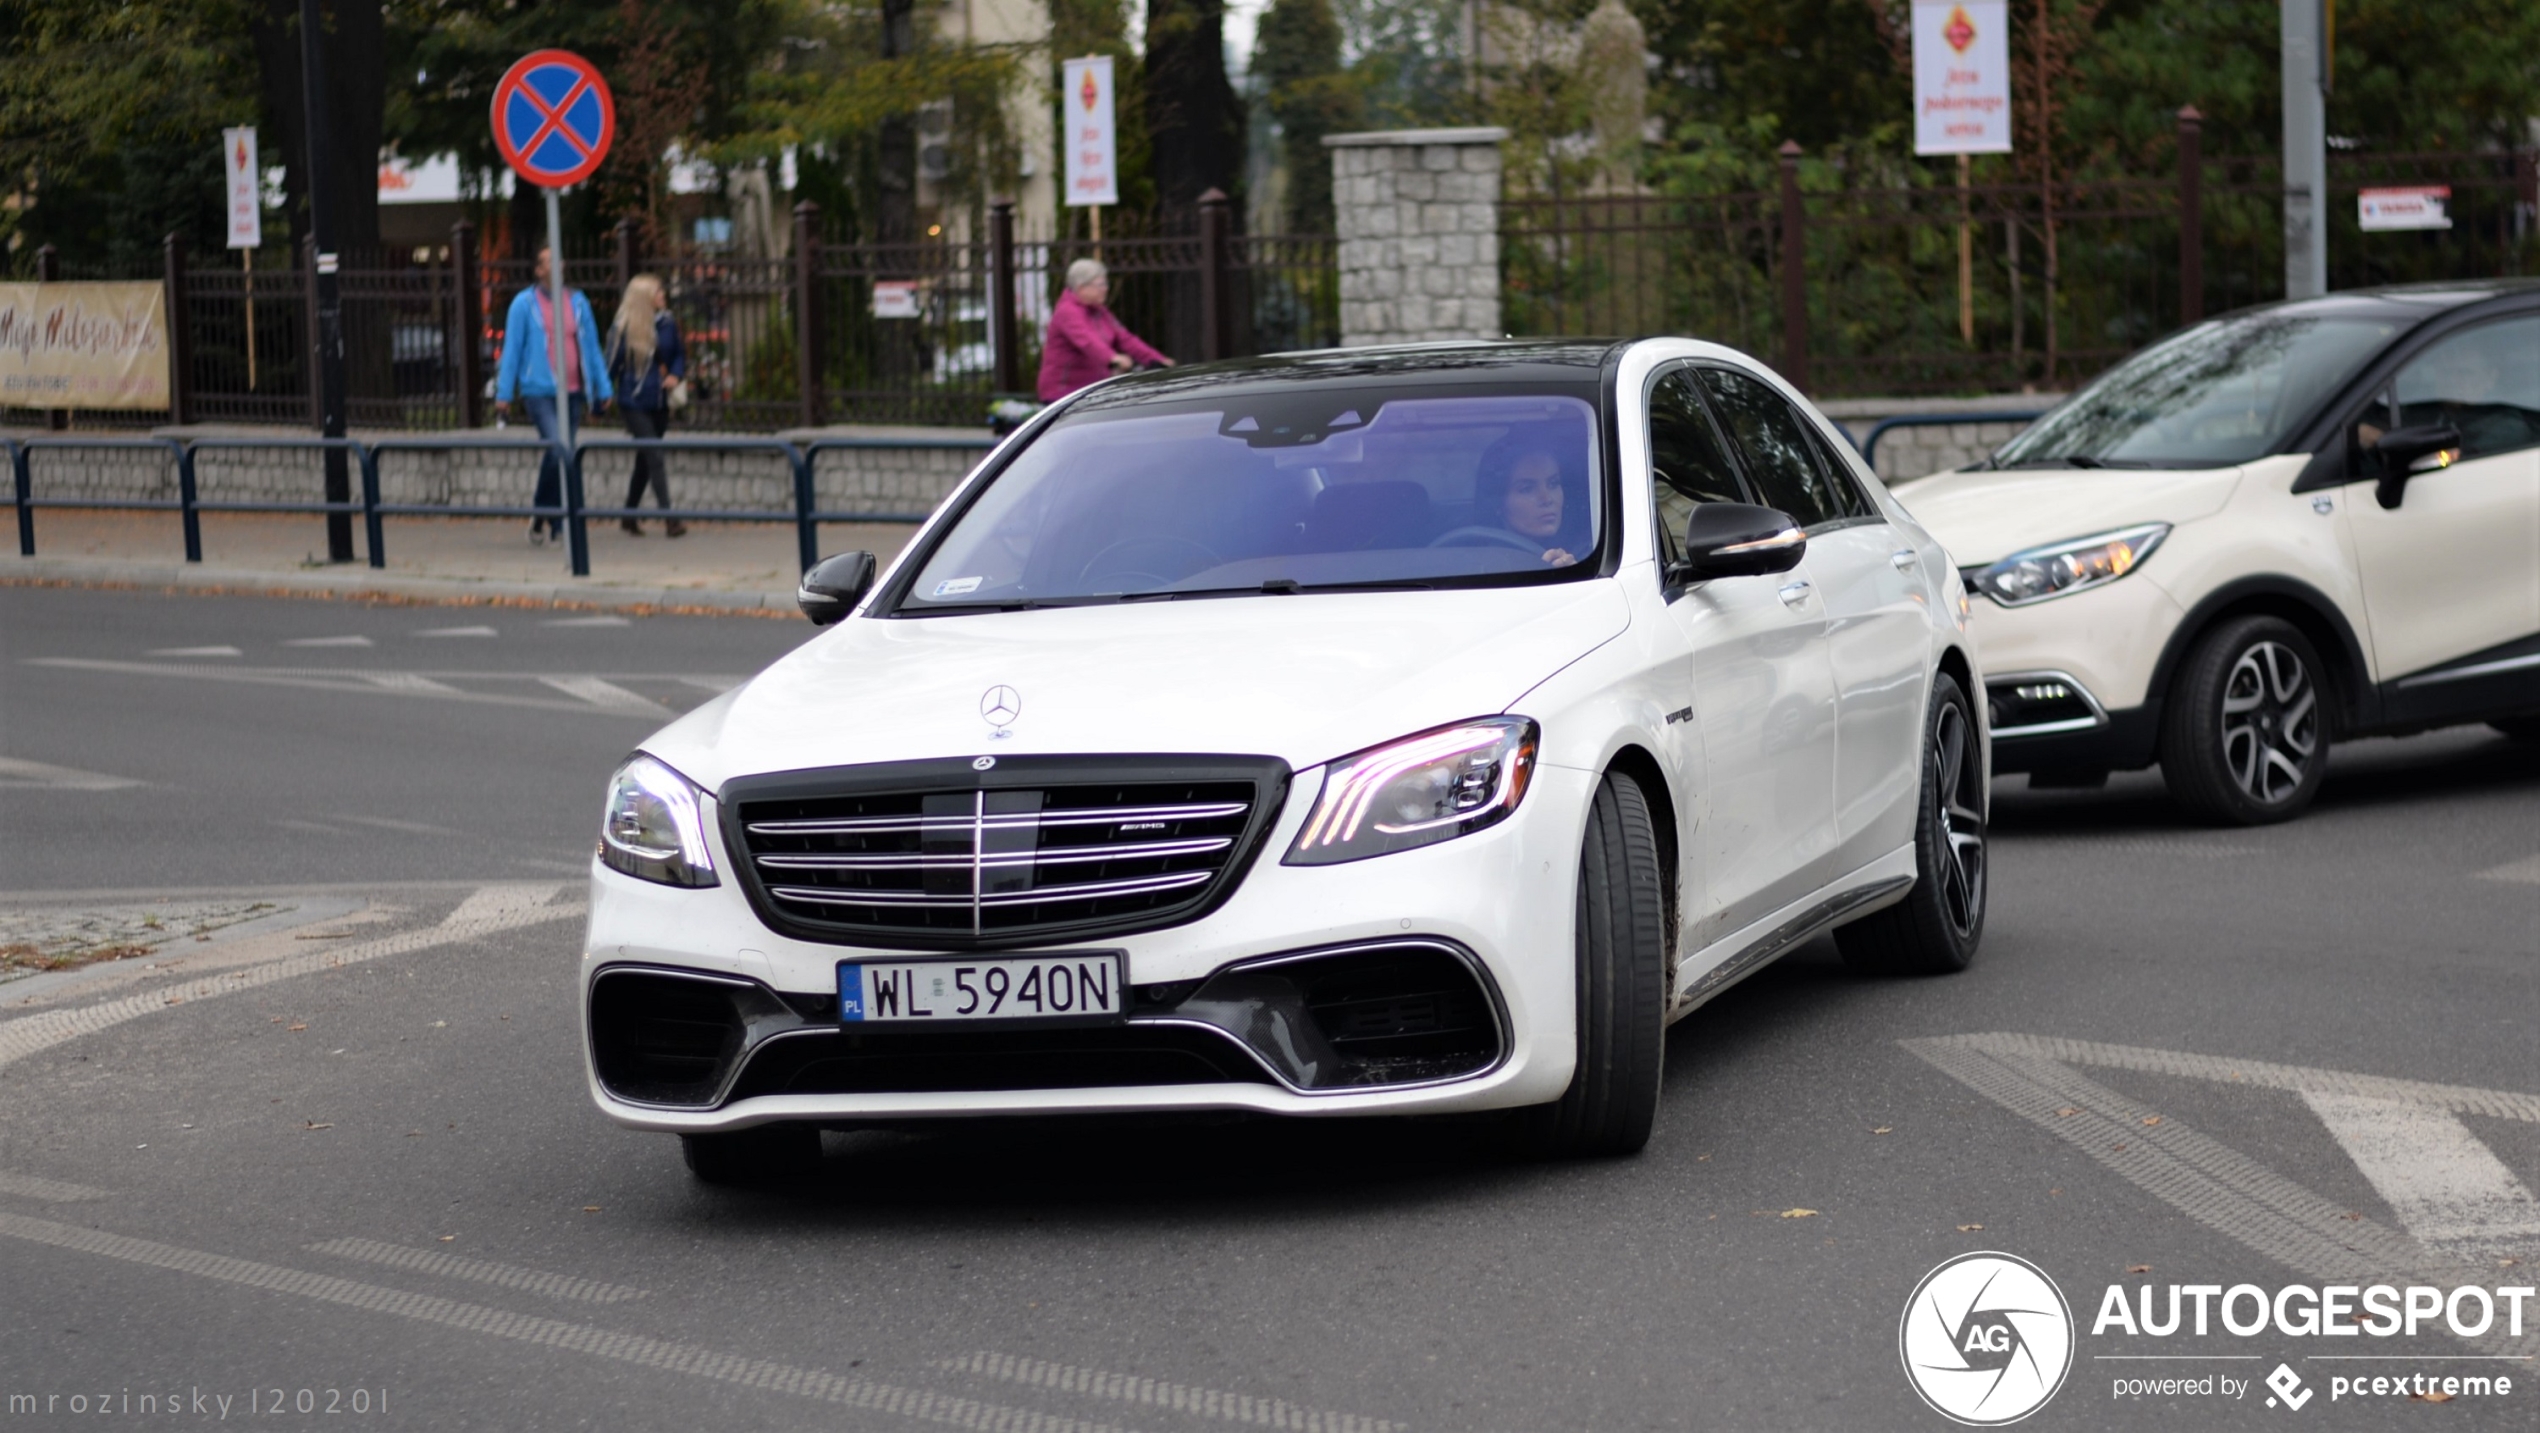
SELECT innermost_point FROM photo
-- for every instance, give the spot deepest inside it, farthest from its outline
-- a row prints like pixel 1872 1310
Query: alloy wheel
pixel 2270 722
pixel 1960 794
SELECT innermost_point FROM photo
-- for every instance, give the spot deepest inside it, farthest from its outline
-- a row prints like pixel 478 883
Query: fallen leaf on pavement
pixel 312 1124
pixel 2429 1397
pixel 2138 1268
pixel 2068 1112
pixel 1799 1214
pixel 590 1209
pixel 295 1027
pixel 2151 1119
pixel 1969 1228
pixel 1884 1129
pixel 2118 1148
pixel 446 1238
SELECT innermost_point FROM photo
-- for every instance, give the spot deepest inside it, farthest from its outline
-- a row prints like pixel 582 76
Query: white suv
pixel 2283 527
pixel 1361 733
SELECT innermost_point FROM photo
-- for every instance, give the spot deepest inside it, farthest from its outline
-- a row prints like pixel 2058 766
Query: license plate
pixel 1080 987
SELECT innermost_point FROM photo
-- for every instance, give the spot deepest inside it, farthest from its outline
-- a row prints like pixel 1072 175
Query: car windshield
pixel 1321 486
pixel 2222 392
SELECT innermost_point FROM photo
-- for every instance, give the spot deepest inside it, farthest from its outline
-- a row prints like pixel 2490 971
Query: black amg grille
pixel 939 855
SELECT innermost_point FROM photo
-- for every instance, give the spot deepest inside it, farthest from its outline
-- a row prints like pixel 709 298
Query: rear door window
pixel 1785 466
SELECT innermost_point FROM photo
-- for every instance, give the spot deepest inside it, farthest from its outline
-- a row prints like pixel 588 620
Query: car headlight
pixel 2063 568
pixel 654 828
pixel 1418 791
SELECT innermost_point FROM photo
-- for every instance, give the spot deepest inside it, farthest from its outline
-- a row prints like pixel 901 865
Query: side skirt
pixel 1713 969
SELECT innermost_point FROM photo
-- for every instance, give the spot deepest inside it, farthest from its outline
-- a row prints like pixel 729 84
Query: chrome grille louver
pixel 938 855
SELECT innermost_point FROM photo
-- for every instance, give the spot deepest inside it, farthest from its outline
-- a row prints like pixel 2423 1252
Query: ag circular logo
pixel 1986 1339
pixel 999 706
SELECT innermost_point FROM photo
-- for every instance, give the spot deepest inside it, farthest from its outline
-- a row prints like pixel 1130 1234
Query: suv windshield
pixel 1295 488
pixel 2222 392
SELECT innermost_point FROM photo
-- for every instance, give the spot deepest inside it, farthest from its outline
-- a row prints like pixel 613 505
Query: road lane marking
pixel 2032 1076
pixel 488 911
pixel 341 679
pixel 1155 1393
pixel 195 652
pixel 457 632
pixel 2444 1184
pixel 608 696
pixel 2525 872
pixel 51 1191
pixel 586 622
pixel 921 1404
pixel 355 641
pixel 483 1271
pixel 21 774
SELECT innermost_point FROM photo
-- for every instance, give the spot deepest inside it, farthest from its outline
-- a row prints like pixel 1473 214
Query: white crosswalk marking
pixel 608 696
pixel 15 772
pixel 2447 1187
pixel 197 652
pixel 355 641
pixel 2525 872
pixel 409 684
pixel 483 1271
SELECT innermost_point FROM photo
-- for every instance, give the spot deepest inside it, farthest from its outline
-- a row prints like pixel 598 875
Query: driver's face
pixel 1534 496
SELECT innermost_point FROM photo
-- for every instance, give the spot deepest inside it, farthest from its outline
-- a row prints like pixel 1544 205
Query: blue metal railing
pixel 1869 444
pixel 574 513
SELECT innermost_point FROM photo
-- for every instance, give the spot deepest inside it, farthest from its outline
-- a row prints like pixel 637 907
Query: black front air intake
pixel 1397 1012
pixel 672 1038
pixel 946 855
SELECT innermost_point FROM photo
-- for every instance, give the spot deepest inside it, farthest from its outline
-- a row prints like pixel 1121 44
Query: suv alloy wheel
pixel 2244 737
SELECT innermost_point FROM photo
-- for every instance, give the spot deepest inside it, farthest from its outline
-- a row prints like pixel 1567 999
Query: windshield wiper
pixel 2070 460
pixel 1280 587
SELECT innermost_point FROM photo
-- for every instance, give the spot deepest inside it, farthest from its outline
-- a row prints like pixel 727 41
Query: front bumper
pixel 1500 900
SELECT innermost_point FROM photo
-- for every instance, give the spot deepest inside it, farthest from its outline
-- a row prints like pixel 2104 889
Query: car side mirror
pixel 834 586
pixel 1738 540
pixel 2405 451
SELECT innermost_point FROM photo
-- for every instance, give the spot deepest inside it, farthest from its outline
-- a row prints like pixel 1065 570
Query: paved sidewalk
pixel 717 566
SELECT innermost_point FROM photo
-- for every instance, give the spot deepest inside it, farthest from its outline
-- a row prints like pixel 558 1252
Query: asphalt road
pixel 346 1149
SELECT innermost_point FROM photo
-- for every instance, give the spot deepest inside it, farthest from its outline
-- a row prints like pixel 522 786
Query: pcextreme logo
pixel 1986 1339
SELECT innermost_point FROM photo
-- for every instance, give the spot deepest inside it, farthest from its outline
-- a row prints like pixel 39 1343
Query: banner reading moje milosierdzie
pixel 83 346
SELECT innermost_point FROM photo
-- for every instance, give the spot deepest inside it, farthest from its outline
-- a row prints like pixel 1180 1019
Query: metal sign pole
pixel 560 316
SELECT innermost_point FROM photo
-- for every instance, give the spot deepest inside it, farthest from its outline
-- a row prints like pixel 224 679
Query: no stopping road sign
pixel 553 118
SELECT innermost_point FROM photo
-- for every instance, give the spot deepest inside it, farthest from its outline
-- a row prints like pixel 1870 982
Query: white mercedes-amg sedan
pixel 1372 732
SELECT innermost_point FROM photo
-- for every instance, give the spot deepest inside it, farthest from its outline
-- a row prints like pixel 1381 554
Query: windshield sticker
pixel 956 586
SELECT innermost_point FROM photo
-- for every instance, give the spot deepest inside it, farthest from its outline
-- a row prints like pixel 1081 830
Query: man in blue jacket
pixel 528 373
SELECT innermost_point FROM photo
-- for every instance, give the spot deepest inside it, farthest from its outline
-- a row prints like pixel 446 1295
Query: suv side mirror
pixel 1738 540
pixel 834 586
pixel 2417 449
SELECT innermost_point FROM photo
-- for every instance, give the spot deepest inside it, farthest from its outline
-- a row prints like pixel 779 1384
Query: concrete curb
pixel 357 584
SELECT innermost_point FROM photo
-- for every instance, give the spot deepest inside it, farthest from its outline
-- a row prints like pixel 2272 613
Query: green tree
pixel 1296 60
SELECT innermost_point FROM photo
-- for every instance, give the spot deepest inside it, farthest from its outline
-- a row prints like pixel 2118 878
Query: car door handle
pixel 1795 594
pixel 1903 559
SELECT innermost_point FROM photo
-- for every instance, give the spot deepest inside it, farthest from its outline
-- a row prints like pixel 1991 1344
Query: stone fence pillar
pixel 1419 232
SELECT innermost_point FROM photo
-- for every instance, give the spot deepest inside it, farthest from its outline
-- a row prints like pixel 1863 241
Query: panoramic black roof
pixel 1556 363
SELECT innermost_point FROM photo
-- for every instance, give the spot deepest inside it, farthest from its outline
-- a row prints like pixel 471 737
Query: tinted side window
pixel 1687 463
pixel 1779 457
pixel 2484 381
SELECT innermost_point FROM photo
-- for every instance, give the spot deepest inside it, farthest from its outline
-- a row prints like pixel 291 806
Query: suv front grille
pixel 939 855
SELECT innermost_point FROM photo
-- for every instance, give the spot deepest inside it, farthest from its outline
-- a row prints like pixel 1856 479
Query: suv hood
pixel 1983 517
pixel 1304 678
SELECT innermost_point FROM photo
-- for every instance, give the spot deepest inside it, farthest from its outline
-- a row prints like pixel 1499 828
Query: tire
pixel 1612 1103
pixel 752 1156
pixel 1935 930
pixel 2245 732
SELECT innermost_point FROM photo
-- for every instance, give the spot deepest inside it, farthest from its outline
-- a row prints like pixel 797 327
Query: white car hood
pixel 1983 517
pixel 1304 678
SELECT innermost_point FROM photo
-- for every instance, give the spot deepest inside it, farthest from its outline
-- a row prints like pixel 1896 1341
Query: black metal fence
pixel 929 332
pixel 1993 287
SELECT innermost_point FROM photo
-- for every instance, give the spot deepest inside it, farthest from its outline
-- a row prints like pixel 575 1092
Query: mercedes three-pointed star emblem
pixel 999 706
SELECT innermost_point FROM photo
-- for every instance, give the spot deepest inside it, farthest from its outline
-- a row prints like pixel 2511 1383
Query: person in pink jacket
pixel 1086 344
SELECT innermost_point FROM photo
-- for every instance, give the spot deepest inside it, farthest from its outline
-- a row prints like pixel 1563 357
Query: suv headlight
pixel 2063 568
pixel 654 828
pixel 1418 791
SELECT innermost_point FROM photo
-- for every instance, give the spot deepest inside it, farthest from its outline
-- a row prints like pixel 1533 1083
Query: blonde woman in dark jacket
pixel 648 364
